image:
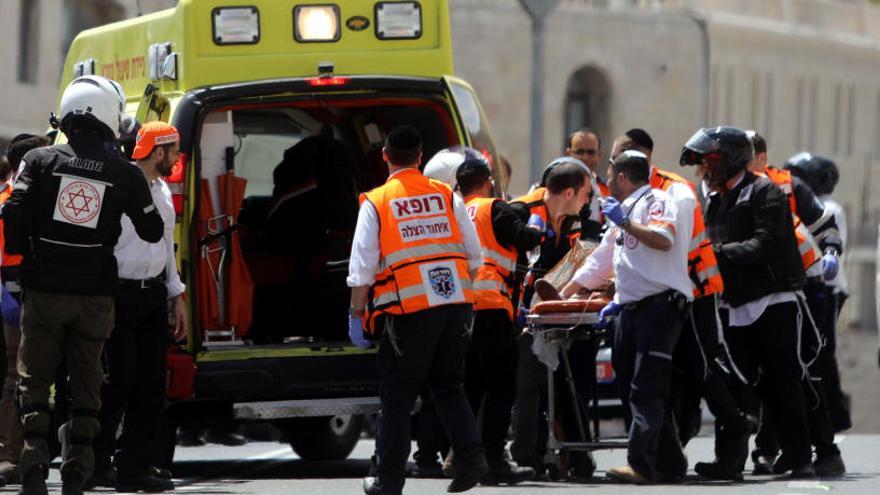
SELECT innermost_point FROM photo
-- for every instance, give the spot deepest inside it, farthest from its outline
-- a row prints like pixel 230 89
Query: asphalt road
pixel 272 468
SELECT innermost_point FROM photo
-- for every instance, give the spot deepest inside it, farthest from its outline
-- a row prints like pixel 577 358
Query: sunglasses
pixel 590 152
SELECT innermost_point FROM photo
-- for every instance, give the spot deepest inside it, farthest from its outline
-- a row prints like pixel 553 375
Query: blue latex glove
pixel 521 316
pixel 612 210
pixel 10 308
pixel 610 310
pixel 537 223
pixel 830 264
pixel 356 332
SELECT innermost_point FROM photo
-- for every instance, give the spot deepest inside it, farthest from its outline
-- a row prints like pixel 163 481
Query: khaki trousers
pixel 56 326
pixel 10 421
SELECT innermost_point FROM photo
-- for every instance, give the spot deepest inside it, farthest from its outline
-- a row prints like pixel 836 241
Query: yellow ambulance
pixel 282 106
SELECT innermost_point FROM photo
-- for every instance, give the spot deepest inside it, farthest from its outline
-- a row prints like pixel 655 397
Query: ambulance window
pixel 477 126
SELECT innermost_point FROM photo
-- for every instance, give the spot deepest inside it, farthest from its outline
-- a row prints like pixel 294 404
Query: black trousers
pixel 490 380
pixel 697 372
pixel 645 336
pixel 825 305
pixel 820 303
pixel 431 439
pixel 766 354
pixel 427 347
pixel 134 360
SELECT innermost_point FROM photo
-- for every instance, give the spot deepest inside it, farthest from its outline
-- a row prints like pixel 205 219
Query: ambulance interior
pixel 305 163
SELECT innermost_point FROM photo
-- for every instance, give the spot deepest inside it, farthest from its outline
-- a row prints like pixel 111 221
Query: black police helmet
pixel 819 172
pixel 727 151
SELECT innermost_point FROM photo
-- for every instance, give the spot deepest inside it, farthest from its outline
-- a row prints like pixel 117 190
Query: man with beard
pixel 135 353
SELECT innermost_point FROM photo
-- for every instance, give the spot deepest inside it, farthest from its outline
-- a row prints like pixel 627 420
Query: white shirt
pixel 139 259
pixel 595 208
pixel 364 262
pixel 748 313
pixel 641 271
pixel 839 282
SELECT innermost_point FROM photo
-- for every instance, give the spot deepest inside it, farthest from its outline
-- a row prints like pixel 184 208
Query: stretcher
pixel 562 323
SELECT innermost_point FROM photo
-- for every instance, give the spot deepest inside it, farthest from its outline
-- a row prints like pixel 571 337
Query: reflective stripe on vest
pixel 419 252
pixel 702 264
pixel 807 246
pixel 423 262
pixel 491 286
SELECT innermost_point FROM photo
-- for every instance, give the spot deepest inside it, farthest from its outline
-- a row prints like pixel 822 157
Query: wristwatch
pixel 625 223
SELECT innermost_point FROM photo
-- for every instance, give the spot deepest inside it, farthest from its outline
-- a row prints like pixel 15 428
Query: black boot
pixel 104 478
pixel 798 470
pixel 372 487
pixel 34 482
pixel 72 484
pixel 829 465
pixel 504 472
pixel 719 470
pixel 144 483
pixel 763 462
pixel 468 472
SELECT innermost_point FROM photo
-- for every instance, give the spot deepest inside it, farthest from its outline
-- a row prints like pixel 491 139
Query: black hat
pixel 641 138
pixel 473 164
pixel 20 145
pixel 404 138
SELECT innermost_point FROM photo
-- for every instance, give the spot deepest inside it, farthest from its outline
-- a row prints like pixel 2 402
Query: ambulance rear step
pixel 270 410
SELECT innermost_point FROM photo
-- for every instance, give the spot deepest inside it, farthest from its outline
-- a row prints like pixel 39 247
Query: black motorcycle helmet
pixel 819 172
pixel 726 150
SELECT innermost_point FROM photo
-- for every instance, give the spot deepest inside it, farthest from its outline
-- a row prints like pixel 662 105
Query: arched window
pixel 588 103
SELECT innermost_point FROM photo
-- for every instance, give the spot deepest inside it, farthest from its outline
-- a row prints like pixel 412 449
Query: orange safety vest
pixel 702 264
pixel 807 246
pixel 535 203
pixel 8 259
pixel 782 178
pixel 422 261
pixel 492 286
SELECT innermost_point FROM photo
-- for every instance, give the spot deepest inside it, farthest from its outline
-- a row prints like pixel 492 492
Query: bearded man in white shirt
pixel 135 353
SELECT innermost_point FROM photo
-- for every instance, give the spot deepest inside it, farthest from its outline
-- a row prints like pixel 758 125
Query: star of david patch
pixel 79 202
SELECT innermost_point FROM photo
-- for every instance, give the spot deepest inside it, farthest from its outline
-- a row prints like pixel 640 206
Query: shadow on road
pixel 263 469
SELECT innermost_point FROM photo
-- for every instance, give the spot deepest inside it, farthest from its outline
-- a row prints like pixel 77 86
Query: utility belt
pixel 143 283
pixel 678 300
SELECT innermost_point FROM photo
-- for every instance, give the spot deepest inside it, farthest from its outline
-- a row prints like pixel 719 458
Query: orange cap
pixel 153 134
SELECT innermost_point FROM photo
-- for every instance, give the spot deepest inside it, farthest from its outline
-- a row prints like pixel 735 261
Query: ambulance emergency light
pixel 236 25
pixel 398 20
pixel 316 23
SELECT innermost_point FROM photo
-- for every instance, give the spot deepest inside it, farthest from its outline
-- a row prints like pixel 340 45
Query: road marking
pixel 272 454
pixel 809 485
pixel 839 438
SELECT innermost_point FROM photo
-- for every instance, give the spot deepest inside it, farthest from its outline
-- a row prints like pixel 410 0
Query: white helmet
pixel 91 101
pixel 445 163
